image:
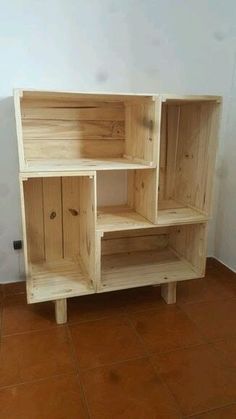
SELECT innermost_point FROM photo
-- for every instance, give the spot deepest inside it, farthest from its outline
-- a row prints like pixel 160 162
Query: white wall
pixel 178 46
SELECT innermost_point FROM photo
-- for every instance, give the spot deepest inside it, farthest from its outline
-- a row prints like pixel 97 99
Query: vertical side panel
pixel 17 105
pixel 25 239
pixel 87 224
pixel 52 218
pixel 142 129
pixel 145 193
pixel 163 152
pixel 190 242
pixel 33 196
pixel 71 216
pixel 173 115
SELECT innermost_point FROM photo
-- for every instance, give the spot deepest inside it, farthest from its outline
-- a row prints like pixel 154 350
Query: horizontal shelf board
pixel 176 215
pixel 83 164
pixel 134 269
pixel 58 279
pixel 120 218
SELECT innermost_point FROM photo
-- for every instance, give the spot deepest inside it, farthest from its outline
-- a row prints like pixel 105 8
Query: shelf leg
pixel 61 311
pixel 168 292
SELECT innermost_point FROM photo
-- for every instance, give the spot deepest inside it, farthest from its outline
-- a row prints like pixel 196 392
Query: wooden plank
pixel 184 215
pixel 27 175
pixel 189 243
pixel 52 218
pixel 46 165
pixel 141 132
pixel 73 149
pixel 24 230
pixel 61 311
pixel 143 268
pixel 58 279
pixel 173 117
pixel 60 129
pixel 168 292
pixel 145 193
pixel 123 219
pixel 75 96
pixel 131 244
pixel 87 224
pixel 33 199
pixel 71 215
pixel 93 113
pixel 27 104
pixel 17 107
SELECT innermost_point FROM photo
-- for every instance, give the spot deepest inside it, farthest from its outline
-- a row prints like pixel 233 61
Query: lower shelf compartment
pixel 58 279
pixel 134 269
pixel 173 213
pixel 120 218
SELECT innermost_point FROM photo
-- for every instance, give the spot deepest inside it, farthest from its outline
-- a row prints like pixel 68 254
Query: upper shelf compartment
pixel 72 131
pixel 189 127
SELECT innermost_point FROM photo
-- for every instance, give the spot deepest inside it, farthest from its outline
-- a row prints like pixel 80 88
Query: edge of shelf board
pixel 77 165
pixel 177 216
pixel 55 280
pixel 120 218
pixel 147 271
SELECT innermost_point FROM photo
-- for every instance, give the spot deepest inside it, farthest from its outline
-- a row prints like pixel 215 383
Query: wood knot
pixel 53 215
pixel 73 212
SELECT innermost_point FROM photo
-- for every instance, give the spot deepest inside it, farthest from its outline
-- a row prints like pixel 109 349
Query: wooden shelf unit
pixel 115 190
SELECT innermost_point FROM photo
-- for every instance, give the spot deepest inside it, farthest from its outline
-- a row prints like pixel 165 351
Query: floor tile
pixel 227 348
pixel 93 307
pixel 105 341
pixel 215 319
pixel 143 298
pixel 198 378
pixel 18 316
pixel 165 329
pixel 35 355
pixel 54 398
pixel 204 289
pixel 130 390
pixel 14 288
pixel 228 412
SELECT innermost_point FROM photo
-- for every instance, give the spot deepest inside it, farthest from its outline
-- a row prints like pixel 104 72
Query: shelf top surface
pixel 110 96
pixel 83 164
pixel 120 218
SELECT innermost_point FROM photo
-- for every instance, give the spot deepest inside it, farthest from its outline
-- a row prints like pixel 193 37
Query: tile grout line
pixel 214 409
pixel 79 374
pixel 23 383
pixel 149 356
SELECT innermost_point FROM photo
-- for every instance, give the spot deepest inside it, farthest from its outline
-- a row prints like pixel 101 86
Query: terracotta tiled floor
pixel 123 355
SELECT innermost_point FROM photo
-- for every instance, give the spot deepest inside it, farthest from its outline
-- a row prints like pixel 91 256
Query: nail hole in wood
pixel 53 215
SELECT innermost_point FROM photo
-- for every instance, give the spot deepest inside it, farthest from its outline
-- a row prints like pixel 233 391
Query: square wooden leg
pixel 168 292
pixel 61 311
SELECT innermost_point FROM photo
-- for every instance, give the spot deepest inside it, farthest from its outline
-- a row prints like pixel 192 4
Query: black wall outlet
pixel 17 244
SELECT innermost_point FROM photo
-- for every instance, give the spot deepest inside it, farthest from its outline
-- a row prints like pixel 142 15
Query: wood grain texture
pixel 52 207
pixel 34 215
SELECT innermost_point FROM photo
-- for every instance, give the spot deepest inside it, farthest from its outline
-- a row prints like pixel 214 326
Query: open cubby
pixel 126 199
pixel 187 156
pixel 71 131
pixel 60 224
pixel 151 256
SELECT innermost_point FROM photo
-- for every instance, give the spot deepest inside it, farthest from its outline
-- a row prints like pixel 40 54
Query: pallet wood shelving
pixel 149 157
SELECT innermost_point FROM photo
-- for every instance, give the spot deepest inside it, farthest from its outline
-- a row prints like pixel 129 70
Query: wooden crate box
pixel 188 144
pixel 159 255
pixel 59 216
pixel 86 131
